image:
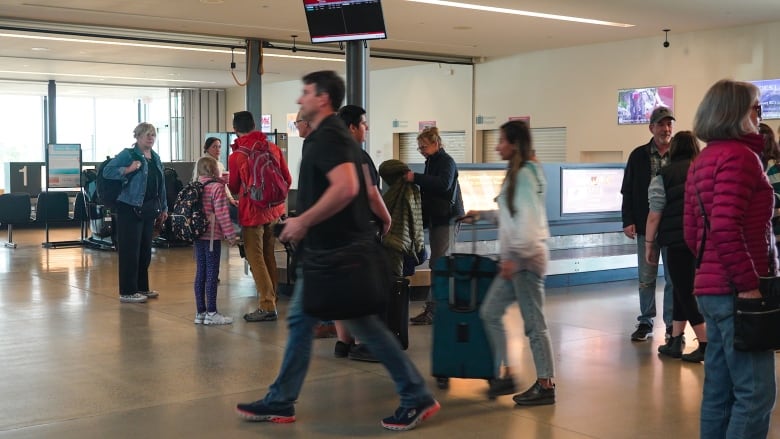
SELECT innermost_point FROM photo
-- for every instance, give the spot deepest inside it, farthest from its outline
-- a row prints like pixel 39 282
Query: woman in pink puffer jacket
pixel 739 387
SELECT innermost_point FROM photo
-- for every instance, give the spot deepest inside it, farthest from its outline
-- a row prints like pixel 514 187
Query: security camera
pixel 666 44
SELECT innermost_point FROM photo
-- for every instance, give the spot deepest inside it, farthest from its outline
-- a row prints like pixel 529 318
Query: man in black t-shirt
pixel 333 212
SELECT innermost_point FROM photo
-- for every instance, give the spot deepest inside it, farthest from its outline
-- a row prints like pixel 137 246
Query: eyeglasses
pixel 757 107
pixel 299 121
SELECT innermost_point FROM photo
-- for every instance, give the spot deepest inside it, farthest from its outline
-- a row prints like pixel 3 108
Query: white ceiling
pixel 413 28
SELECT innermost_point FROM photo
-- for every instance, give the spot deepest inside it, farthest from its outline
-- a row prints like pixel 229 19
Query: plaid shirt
pixel 657 161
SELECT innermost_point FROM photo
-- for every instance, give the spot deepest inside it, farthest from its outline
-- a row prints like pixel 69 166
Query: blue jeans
pixel 739 387
pixel 647 277
pixel 369 330
pixel 528 290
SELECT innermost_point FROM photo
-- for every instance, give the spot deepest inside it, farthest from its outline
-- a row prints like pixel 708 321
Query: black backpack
pixel 108 190
pixel 173 185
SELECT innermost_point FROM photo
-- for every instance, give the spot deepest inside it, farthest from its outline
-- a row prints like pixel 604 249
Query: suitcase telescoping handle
pixel 455 224
pixel 473 273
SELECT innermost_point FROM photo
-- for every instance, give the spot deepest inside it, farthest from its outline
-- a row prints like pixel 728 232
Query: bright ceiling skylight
pixel 521 12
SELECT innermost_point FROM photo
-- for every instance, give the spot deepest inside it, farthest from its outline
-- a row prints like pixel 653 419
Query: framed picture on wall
pixel 770 98
pixel 635 105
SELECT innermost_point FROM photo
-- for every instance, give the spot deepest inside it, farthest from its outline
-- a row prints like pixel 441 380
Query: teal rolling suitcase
pixel 459 283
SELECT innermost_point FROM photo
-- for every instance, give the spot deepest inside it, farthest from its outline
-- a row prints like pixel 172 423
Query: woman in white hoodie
pixel 522 234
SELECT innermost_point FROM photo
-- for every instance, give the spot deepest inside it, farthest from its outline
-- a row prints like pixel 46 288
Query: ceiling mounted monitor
pixel 344 20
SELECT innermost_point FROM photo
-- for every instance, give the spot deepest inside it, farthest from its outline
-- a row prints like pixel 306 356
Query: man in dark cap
pixel 643 164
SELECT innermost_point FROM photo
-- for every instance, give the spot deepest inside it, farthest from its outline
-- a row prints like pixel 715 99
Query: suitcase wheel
pixel 443 382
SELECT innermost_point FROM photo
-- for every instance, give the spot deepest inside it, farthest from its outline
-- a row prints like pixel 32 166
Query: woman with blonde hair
pixel 141 203
pixel 441 202
pixel 727 180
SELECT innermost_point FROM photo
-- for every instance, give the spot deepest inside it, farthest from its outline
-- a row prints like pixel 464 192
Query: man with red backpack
pixel 259 174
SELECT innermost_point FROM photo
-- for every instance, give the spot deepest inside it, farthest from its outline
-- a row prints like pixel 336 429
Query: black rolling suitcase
pixel 459 283
pixel 397 315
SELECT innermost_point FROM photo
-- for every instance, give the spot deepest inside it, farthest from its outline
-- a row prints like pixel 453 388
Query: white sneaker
pixel 132 298
pixel 199 317
pixel 215 318
pixel 151 294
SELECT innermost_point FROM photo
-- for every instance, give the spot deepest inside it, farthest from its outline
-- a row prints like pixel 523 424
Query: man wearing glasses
pixel 643 164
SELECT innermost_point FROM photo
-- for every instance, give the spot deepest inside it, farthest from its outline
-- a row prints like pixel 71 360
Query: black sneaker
pixel 406 418
pixel 501 386
pixel 259 412
pixel 696 356
pixel 642 333
pixel 360 352
pixel 259 315
pixel 536 395
pixel 341 350
pixel 673 347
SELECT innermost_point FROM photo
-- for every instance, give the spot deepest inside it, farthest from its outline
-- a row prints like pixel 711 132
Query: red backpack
pixel 262 179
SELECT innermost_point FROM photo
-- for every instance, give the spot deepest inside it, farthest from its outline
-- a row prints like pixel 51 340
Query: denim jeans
pixel 369 330
pixel 739 387
pixel 647 277
pixel 528 290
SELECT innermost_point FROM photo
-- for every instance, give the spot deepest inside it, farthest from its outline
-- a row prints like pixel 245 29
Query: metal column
pixel 51 135
pixel 357 77
pixel 254 86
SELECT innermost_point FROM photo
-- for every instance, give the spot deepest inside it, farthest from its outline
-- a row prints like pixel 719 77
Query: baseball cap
pixel 660 114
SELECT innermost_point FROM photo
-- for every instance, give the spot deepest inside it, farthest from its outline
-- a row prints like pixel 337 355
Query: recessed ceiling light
pixel 39 49
pixel 212 2
pixel 520 12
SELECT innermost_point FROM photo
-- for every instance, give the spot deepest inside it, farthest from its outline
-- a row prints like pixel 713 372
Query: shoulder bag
pixel 346 282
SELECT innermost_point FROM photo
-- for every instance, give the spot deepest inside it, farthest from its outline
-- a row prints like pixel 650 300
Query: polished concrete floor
pixel 78 364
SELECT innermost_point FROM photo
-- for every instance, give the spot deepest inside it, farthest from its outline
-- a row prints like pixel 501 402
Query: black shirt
pixel 327 147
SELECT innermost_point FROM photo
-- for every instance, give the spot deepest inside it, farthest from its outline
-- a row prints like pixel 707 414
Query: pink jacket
pixel 215 202
pixel 738 200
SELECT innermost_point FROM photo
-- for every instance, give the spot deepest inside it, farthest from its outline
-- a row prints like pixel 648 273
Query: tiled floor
pixel 78 364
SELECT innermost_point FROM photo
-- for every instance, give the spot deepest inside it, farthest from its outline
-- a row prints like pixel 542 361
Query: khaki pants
pixel 259 247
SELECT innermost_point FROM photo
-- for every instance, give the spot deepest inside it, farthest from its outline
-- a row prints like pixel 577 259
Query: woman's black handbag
pixel 757 321
pixel 346 282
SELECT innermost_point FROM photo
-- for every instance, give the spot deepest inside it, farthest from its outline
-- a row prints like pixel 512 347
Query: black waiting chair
pixel 14 209
pixel 54 207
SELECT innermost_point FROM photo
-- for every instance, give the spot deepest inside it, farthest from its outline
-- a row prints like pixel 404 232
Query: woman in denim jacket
pixel 522 235
pixel 141 203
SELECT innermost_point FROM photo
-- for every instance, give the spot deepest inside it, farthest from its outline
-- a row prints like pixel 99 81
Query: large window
pixel 100 118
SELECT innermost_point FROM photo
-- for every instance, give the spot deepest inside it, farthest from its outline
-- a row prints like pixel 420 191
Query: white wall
pixel 577 87
pixel 574 88
pixel 405 95
pixel 408 95
pixel 235 98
